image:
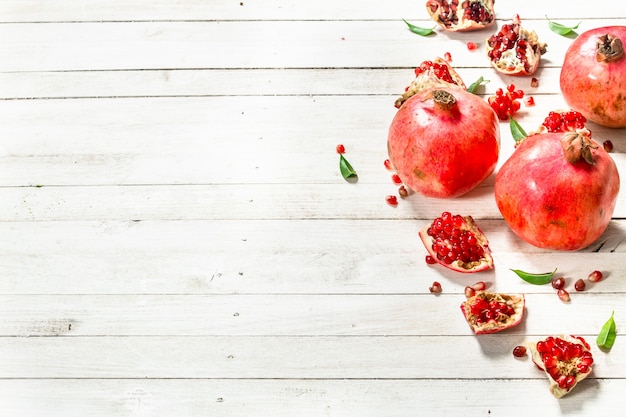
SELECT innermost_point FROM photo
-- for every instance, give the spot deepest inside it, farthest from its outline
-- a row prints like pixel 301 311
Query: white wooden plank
pixel 287 315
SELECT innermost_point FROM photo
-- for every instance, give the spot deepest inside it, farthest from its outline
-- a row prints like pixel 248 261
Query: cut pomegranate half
pixel 515 50
pixel 457 243
pixel 466 15
pixel 566 360
pixel 435 73
pixel 488 312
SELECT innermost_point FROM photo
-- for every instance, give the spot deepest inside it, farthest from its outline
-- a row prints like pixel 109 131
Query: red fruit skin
pixel 554 204
pixel 440 153
pixel 596 89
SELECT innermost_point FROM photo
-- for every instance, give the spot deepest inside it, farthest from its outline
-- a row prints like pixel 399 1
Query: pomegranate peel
pixel 457 243
pixel 565 359
pixel 435 73
pixel 488 312
pixel 461 16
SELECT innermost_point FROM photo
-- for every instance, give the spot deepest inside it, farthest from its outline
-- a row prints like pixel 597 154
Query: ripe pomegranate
pixel 566 360
pixel 488 312
pixel 558 190
pixel 457 243
pixel 593 75
pixel 468 15
pixel 435 73
pixel 444 142
pixel 515 50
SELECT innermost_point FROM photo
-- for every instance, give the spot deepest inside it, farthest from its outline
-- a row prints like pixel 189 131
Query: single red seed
pixel 608 145
pixel 402 191
pixel 435 288
pixel 341 148
pixel 595 276
pixel 563 295
pixel 558 283
pixel 396 179
pixel 579 285
pixel 519 351
pixel 479 286
pixel 529 101
pixel 447 56
pixel 392 200
pixel 534 82
pixel 472 46
pixel 469 292
pixel 388 164
pixel 430 260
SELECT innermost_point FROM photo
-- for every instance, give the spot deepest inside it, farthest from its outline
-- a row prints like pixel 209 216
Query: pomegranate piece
pixel 506 103
pixel 488 312
pixel 435 73
pixel 558 190
pixel 444 142
pixel 592 75
pixel 455 15
pixel 455 242
pixel 566 360
pixel 515 50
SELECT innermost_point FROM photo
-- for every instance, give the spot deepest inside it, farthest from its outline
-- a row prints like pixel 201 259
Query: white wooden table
pixel 177 239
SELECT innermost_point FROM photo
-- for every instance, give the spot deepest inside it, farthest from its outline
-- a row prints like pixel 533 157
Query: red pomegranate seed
pixel 469 292
pixel 341 148
pixel 435 288
pixel 447 56
pixel 534 82
pixel 516 19
pixel 472 46
pixel 388 165
pixel 402 191
pixel 430 260
pixel 563 295
pixel 392 200
pixel 519 351
pixel 396 179
pixel 595 276
pixel 558 283
pixel 529 101
pixel 479 286
pixel 608 145
pixel 579 285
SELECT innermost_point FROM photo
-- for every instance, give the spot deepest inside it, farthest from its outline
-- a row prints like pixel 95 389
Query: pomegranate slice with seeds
pixel 455 242
pixel 455 15
pixel 435 73
pixel 566 360
pixel 515 50
pixel 488 312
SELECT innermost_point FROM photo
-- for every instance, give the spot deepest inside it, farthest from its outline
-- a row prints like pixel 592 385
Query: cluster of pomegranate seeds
pixel 472 46
pixel 435 288
pixel 507 39
pixel 341 149
pixel 563 360
pixel 564 121
pixel 506 103
pixel 607 145
pixel 519 351
pixel 451 242
pixel 493 310
pixel 441 71
pixel 477 12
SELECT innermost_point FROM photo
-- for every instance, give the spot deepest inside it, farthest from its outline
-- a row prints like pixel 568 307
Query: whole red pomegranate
pixel 558 190
pixel 454 15
pixel 443 142
pixel 593 76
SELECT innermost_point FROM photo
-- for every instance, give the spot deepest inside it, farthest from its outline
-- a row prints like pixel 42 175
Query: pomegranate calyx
pixel 609 48
pixel 444 100
pixel 577 145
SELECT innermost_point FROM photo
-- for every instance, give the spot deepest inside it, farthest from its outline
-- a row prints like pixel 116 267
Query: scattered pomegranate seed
pixel 516 19
pixel 392 200
pixel 529 101
pixel 447 56
pixel 534 83
pixel 396 179
pixel 402 191
pixel 469 292
pixel 430 260
pixel 472 46
pixel 388 165
pixel 608 145
pixel 579 285
pixel 519 351
pixel 341 148
pixel 479 286
pixel 595 276
pixel 435 288
pixel 558 283
pixel 563 295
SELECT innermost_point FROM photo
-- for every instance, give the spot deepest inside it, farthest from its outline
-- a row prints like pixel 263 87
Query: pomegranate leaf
pixel 419 30
pixel 474 86
pixel 561 29
pixel 516 130
pixel 346 169
pixel 536 279
pixel 608 334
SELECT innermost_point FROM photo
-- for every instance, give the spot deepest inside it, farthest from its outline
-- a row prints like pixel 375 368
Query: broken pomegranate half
pixel 435 73
pixel 561 121
pixel 457 243
pixel 566 360
pixel 488 312
pixel 455 15
pixel 515 50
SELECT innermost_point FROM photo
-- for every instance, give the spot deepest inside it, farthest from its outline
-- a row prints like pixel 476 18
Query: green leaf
pixel 473 86
pixel 346 169
pixel 536 279
pixel 561 29
pixel 608 334
pixel 516 130
pixel 419 30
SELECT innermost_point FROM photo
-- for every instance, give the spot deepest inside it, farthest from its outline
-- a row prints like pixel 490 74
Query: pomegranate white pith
pixel 488 312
